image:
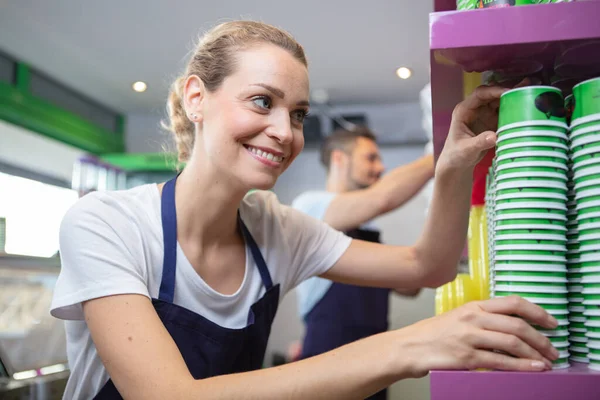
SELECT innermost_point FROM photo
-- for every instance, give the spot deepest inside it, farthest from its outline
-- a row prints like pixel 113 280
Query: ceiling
pixel 101 47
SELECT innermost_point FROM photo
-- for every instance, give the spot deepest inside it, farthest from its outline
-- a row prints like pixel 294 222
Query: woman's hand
pixel 465 338
pixel 473 129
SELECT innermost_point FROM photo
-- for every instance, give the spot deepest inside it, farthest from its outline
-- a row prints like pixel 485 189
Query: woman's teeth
pixel 265 155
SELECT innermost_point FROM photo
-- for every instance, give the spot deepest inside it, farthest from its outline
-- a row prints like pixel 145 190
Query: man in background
pixel 336 314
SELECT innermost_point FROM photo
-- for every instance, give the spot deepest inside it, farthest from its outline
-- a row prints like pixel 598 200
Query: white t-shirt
pixel 111 243
pixel 315 203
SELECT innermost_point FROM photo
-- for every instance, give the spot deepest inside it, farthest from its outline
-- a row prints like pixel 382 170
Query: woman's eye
pixel 262 102
pixel 299 115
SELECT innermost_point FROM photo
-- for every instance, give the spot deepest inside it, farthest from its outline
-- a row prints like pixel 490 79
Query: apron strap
pixel 169 226
pixel 256 254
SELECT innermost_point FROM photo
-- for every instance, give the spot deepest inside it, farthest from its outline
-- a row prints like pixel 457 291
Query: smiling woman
pixel 170 290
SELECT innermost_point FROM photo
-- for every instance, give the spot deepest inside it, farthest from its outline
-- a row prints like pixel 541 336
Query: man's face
pixel 365 166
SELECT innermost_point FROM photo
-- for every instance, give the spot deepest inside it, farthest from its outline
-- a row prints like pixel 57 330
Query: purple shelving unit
pixel 575 383
pixel 489 39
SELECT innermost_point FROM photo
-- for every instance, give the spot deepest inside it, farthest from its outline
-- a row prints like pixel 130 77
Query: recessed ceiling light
pixel 140 86
pixel 403 73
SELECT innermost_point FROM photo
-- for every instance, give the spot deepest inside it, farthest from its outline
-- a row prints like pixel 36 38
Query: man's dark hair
pixel 344 140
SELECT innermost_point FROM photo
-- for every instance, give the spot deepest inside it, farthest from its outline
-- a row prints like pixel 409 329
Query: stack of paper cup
pixel 577 339
pixel 490 202
pixel 584 275
pixel 530 211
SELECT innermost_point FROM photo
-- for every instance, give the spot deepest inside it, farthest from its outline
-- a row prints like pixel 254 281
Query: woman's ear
pixel 193 95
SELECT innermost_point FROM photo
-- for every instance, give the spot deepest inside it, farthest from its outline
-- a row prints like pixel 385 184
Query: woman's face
pixel 250 128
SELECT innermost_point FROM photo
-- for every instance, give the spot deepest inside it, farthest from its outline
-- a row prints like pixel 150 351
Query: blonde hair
pixel 214 59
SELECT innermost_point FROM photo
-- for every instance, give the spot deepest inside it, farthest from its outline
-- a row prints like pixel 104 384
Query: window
pixel 7 69
pixel 61 96
pixel 32 211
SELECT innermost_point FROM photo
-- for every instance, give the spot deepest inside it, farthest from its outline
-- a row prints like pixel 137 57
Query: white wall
pixel 34 152
pixel 399 227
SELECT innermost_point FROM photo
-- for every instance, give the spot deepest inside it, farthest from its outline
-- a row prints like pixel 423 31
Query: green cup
pixel 531 171
pixel 533 266
pixel 532 106
pixel 531 234
pixel 531 223
pixel 532 154
pixel 541 183
pixel 589 192
pixel 587 106
pixel 519 244
pixel 584 129
pixel 533 141
pixel 525 134
pixel 466 5
pixel 532 213
pixel 583 139
pixel 536 298
pixel 589 171
pixel 531 287
pixel 588 212
pixel 541 161
pixel 585 157
pixel 591 299
pixel 525 192
pixel 532 149
pixel 527 276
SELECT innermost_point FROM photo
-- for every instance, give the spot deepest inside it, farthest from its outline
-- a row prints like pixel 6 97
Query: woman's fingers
pixel 510 344
pixel 491 360
pixel 515 305
pixel 520 329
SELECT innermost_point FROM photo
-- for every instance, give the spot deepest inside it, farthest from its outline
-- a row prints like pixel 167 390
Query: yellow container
pixel 478 252
pixel 454 294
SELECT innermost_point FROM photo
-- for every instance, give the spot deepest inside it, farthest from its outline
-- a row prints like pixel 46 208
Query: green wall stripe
pixel 19 107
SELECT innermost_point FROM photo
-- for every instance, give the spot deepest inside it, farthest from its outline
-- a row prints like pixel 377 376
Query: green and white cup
pixel 533 213
pixel 531 234
pixel 519 204
pixel 584 139
pixel 587 106
pixel 530 266
pixel 535 153
pixel 533 141
pixel 536 149
pixel 531 287
pixel 530 255
pixel 532 183
pixel 536 298
pixel 532 172
pixel 532 106
pixel 589 131
pixel 590 299
pixel 527 130
pixel 519 165
pixel 576 337
pixel 531 276
pixel 537 245
pixel 530 224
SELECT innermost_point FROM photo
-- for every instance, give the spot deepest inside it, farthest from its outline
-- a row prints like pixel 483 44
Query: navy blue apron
pixel 347 313
pixel 207 348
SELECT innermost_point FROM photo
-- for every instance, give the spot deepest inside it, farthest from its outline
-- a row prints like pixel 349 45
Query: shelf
pixel 142 162
pixel 537 23
pixel 577 382
pixel 492 39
